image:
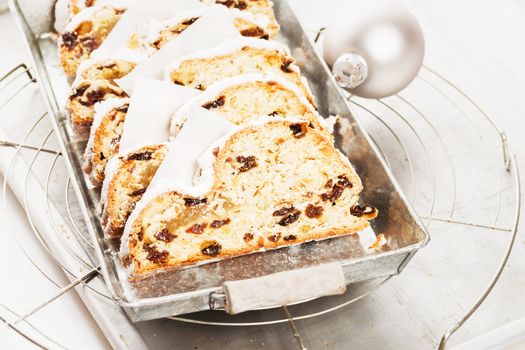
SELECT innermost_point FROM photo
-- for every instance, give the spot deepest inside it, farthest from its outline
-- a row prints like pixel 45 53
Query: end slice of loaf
pixel 86 31
pixel 236 57
pixel 276 183
pixel 104 138
pixel 126 179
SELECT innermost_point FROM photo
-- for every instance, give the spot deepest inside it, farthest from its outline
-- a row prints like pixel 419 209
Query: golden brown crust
pixel 105 143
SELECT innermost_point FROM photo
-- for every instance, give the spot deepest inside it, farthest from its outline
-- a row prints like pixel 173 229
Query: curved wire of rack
pixel 393 107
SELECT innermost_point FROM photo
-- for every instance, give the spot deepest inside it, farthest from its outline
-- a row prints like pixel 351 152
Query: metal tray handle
pixel 284 288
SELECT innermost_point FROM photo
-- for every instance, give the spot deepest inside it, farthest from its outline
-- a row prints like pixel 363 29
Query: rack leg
pixel 83 279
pixel 294 328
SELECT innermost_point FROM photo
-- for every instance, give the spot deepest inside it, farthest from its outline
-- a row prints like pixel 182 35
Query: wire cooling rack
pixel 451 159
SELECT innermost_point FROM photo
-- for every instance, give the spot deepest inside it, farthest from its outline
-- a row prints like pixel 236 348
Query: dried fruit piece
pixel 219 223
pixel 335 193
pixel 285 67
pixel 154 255
pixel 212 248
pixel 165 235
pixel 141 156
pixel 274 237
pixel 247 163
pixel 359 210
pixel 69 40
pixel 197 228
pixel 191 202
pixel 283 211
pixel 313 211
pixel 289 219
pixel 138 192
pixel 257 32
pixel 298 130
pixel 344 182
pixel 215 104
pixel 248 236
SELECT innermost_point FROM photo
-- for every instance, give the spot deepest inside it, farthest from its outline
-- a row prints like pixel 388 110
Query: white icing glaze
pixel 209 30
pixel 139 14
pixel 216 89
pixel 61 15
pixel 226 47
pixel 152 104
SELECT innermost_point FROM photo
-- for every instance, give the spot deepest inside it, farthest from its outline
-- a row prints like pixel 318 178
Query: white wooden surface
pixel 476 43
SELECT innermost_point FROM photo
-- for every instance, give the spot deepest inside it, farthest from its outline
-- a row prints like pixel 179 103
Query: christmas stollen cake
pixel 86 31
pixel 271 183
pixel 268 94
pixel 236 57
pixel 239 98
pixel 98 77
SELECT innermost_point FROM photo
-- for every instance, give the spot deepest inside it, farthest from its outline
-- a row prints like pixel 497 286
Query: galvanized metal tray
pixel 158 296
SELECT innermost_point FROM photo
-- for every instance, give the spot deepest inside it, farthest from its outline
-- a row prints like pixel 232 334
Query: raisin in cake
pixel 235 57
pixel 242 97
pixel 256 7
pixel 127 178
pixel 85 94
pixel 85 33
pixel 275 183
pixel 104 138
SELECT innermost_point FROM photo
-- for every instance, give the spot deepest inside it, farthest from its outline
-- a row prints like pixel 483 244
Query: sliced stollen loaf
pixel 256 95
pixel 242 97
pixel 256 7
pixel 85 33
pixel 235 57
pixel 84 95
pixel 140 150
pixel 274 182
pixel 104 138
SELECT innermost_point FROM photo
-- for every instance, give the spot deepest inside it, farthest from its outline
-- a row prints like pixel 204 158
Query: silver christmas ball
pixel 375 47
